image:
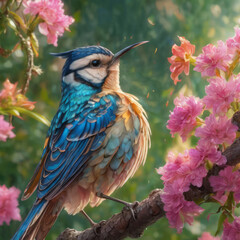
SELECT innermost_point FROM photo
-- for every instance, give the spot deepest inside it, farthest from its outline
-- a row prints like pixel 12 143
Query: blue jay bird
pixel 96 142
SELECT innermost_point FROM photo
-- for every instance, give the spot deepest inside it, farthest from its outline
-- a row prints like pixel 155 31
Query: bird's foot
pixel 129 206
pixel 97 227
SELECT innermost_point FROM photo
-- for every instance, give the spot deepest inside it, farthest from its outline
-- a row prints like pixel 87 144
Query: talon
pixel 130 207
pixel 97 227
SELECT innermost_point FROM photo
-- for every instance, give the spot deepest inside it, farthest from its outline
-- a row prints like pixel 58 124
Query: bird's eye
pixel 95 63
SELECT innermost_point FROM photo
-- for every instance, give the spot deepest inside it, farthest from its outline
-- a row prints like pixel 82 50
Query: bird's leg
pixel 88 218
pixel 127 204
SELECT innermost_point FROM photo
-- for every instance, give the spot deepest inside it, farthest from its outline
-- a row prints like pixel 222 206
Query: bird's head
pixel 93 66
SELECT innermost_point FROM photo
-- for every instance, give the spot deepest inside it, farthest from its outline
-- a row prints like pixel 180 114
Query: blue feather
pixel 36 209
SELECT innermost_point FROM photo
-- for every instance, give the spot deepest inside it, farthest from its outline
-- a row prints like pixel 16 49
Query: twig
pixel 19 5
pixel 30 61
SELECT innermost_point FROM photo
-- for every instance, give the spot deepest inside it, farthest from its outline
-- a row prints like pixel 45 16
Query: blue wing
pixel 72 144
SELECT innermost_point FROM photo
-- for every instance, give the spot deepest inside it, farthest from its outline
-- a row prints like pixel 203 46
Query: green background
pixel 116 24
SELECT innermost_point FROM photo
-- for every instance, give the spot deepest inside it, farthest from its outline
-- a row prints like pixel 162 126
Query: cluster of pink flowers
pixel 212 59
pixel 5 129
pixel 183 118
pixel 231 231
pixel 51 12
pixel 178 174
pixel 10 98
pixel 9 204
pixel 215 132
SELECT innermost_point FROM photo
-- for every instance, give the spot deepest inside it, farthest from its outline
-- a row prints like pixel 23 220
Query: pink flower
pixel 177 209
pixel 234 43
pixel 9 205
pixel 212 58
pixel 226 181
pixel 5 129
pixel 205 151
pixel 216 131
pixel 236 80
pixel 208 236
pixel 180 61
pixel 52 13
pixel 10 96
pixel 180 169
pixel 9 91
pixel 231 231
pixel 183 118
pixel 219 95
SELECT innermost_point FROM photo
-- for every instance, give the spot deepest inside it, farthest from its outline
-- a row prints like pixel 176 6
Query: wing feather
pixel 73 144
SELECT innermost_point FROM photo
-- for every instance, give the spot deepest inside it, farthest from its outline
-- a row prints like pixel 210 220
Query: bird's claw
pixel 97 227
pixel 130 207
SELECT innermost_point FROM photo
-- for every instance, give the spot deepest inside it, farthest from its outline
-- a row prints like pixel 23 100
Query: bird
pixel 97 140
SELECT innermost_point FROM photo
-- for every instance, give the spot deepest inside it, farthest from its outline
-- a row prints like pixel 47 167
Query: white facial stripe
pixel 93 75
pixel 69 79
pixel 80 63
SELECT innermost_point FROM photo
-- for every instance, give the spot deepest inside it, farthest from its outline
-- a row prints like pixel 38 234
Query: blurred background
pixel 116 24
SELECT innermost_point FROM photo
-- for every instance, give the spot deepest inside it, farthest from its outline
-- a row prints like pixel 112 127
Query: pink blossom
pixel 9 91
pixel 208 236
pixel 52 13
pixel 180 169
pixel 236 80
pixel 216 131
pixel 9 205
pixel 10 96
pixel 231 231
pixel 177 209
pixel 226 181
pixel 5 129
pixel 205 151
pixel 219 95
pixel 212 58
pixel 180 61
pixel 183 118
pixel 234 43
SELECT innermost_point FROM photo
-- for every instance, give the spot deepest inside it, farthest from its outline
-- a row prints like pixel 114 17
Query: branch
pixel 123 225
pixel 148 211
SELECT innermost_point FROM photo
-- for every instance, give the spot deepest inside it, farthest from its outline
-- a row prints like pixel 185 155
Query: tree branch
pixel 148 211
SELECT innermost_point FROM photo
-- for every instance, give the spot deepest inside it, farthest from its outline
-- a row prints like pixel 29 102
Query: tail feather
pixel 32 215
pixel 39 220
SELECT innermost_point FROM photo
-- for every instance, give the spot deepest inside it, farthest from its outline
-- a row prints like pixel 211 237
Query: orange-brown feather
pixel 32 185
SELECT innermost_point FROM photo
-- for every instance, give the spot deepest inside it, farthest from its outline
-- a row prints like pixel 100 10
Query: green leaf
pixel 34 115
pixel 238 205
pixel 12 25
pixel 220 223
pixel 34 43
pixel 19 20
pixel 14 112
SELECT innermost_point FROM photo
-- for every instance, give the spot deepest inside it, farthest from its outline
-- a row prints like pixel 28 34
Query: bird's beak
pixel 125 50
